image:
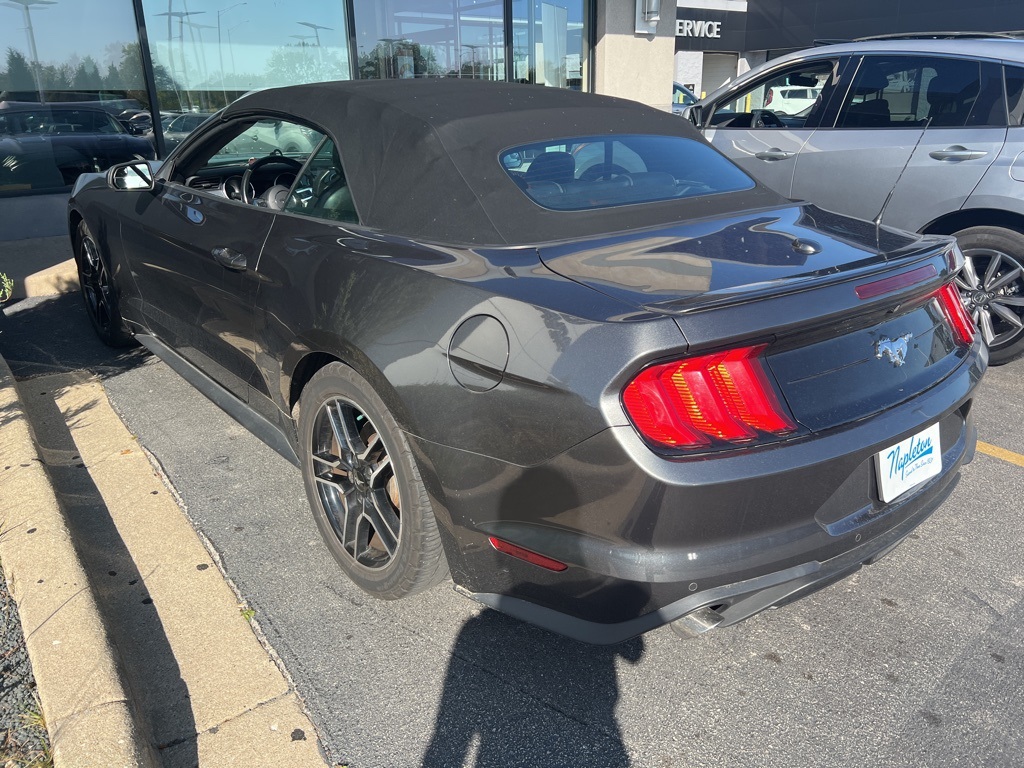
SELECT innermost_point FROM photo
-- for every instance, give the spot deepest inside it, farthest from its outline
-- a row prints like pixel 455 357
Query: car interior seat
pixel 870 112
pixel 335 201
pixel 951 97
pixel 557 167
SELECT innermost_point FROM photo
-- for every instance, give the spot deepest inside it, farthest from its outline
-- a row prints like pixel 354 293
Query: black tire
pixel 99 290
pixel 992 285
pixel 362 482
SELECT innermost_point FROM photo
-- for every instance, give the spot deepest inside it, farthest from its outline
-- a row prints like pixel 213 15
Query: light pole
pixel 199 52
pixel 316 31
pixel 473 47
pixel 25 5
pixel 231 48
pixel 220 51
pixel 180 16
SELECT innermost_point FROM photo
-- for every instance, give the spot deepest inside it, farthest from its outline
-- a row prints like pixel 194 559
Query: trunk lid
pixel 845 341
pixel 741 257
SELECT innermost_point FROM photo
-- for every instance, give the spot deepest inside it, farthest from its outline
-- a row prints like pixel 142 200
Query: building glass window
pixel 207 53
pixel 548 43
pixel 430 38
pixel 81 59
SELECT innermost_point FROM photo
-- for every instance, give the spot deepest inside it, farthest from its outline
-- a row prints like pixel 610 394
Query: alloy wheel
pixel 992 286
pixel 96 284
pixel 356 484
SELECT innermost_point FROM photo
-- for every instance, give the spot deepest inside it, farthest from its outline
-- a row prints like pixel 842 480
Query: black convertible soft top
pixel 422 156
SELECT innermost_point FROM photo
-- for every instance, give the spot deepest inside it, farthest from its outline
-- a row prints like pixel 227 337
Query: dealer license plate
pixel 908 463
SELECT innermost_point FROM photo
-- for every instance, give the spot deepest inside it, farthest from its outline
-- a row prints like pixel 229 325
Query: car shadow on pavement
pixel 146 660
pixel 515 694
pixel 518 695
pixel 53 334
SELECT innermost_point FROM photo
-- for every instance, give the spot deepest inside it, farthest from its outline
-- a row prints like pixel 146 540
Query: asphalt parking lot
pixel 915 661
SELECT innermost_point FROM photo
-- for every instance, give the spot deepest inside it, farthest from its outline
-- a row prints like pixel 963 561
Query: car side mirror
pixel 132 175
pixel 693 113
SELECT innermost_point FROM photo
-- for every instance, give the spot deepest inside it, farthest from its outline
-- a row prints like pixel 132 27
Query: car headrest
pixel 947 88
pixel 870 81
pixel 559 167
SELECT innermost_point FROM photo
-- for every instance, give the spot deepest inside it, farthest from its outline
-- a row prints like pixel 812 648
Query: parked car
pixel 181 126
pixel 790 101
pixel 681 97
pixel 46 147
pixel 921 134
pixel 602 400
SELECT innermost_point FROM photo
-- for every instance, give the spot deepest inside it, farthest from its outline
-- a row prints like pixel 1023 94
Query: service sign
pixel 702 29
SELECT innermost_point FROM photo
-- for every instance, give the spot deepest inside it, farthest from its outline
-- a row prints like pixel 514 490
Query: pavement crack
pixel 213 729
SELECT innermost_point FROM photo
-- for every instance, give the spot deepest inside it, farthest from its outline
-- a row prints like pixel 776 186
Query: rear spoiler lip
pixel 950 257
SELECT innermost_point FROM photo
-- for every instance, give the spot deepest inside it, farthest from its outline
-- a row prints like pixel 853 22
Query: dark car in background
pixel 550 343
pixel 179 127
pixel 45 147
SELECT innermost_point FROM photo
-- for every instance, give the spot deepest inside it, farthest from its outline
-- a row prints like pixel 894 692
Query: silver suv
pixel 922 134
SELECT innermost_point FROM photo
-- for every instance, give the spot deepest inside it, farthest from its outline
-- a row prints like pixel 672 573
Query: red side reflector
pixel 956 314
pixel 895 283
pixel 721 396
pixel 527 555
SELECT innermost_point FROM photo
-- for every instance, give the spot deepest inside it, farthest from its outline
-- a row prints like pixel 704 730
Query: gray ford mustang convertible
pixel 553 344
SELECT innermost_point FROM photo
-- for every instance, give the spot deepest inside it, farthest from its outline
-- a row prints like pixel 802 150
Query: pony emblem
pixel 894 349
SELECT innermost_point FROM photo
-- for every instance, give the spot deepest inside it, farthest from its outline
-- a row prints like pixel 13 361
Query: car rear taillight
pixel 956 314
pixel 691 403
pixel 771 92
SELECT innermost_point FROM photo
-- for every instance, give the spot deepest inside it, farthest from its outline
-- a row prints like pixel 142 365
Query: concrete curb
pixel 78 673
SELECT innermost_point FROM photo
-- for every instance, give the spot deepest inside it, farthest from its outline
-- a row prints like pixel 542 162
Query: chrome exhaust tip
pixel 697 622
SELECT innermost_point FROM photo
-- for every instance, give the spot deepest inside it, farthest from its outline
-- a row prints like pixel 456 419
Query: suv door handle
pixel 230 259
pixel 956 152
pixel 774 154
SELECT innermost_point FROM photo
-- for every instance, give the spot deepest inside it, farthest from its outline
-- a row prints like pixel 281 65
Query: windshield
pixel 605 171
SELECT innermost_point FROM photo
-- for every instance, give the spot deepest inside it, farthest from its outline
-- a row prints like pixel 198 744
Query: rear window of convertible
pixel 604 171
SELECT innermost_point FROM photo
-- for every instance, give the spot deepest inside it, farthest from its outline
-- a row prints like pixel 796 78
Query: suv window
pixel 909 91
pixel 792 98
pixel 1015 94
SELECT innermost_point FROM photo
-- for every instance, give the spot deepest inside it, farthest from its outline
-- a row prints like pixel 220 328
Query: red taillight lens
pixel 526 554
pixel 771 92
pixel 723 396
pixel 956 314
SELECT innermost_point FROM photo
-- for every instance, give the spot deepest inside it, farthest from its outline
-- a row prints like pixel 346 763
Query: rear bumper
pixel 647 540
pixel 731 602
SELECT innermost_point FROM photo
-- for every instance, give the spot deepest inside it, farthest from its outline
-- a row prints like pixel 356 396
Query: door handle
pixel 957 153
pixel 774 154
pixel 230 259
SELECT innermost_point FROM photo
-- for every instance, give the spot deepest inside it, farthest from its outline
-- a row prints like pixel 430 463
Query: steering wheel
pixel 603 171
pixel 765 118
pixel 325 180
pixel 255 165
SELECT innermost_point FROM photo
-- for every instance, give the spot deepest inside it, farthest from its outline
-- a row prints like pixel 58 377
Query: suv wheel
pixel 992 286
